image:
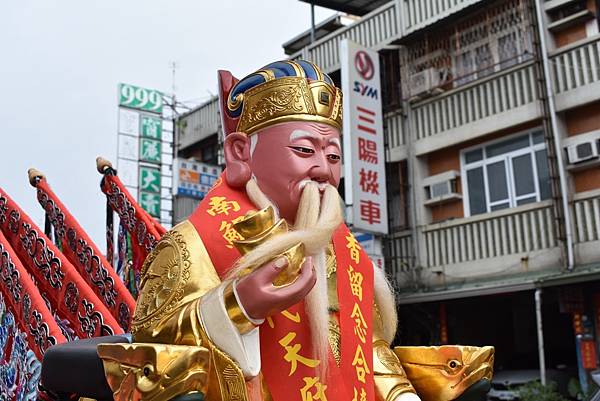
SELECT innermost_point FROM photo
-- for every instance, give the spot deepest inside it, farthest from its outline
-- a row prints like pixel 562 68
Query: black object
pixel 477 392
pixel 75 367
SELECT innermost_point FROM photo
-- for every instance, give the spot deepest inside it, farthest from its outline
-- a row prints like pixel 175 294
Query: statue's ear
pixel 226 82
pixel 237 155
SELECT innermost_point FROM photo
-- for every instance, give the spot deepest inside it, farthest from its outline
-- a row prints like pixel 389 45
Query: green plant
pixel 535 391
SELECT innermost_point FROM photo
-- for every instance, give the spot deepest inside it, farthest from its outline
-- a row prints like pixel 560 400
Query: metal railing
pixel 500 93
pixel 586 211
pixel 577 65
pixel 519 230
pixel 374 30
pixel 396 136
pixel 399 252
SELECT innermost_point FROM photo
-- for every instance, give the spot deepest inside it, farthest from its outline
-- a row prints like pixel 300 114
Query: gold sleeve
pixel 176 274
pixel 390 378
pixel 171 353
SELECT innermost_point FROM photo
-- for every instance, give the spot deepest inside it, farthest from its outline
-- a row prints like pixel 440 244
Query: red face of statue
pixel 289 154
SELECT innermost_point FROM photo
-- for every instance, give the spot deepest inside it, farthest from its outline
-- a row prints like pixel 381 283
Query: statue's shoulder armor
pixel 177 271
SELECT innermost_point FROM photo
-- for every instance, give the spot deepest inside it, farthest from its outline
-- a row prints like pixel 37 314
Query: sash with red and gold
pixel 288 364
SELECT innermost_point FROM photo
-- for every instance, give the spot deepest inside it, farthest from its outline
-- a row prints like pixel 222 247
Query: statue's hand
pixel 260 298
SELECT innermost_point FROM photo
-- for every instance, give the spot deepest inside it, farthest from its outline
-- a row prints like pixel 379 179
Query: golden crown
pixel 289 98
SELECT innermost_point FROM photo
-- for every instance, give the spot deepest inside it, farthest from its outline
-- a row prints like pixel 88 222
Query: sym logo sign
pixel 366 70
pixel 364 65
pixel 365 90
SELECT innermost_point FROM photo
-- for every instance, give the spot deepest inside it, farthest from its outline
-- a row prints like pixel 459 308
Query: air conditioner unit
pixel 441 188
pixel 583 151
pixel 424 81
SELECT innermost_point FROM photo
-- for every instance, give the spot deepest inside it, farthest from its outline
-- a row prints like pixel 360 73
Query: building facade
pixel 492 133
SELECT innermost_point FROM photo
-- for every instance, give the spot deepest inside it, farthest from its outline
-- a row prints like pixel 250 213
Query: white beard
pixel 316 220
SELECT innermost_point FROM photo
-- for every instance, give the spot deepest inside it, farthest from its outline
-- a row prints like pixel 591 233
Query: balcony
pixel 399 258
pixel 421 13
pixel 575 73
pixel 586 216
pixel 198 124
pixel 500 101
pixel 395 137
pixel 498 243
pixel 374 30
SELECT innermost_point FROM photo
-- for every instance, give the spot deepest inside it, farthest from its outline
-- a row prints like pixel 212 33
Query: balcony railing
pixel 576 67
pixel 586 222
pixel 586 210
pixel 399 252
pixel 374 30
pixel 396 137
pixel 480 102
pixel 520 230
pixel 420 13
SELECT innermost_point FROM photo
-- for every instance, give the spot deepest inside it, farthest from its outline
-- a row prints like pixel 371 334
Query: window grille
pixel 476 46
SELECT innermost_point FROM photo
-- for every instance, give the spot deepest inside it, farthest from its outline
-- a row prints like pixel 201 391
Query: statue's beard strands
pixel 317 218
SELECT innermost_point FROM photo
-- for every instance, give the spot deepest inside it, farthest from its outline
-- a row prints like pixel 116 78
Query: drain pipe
pixel 557 144
pixel 540 334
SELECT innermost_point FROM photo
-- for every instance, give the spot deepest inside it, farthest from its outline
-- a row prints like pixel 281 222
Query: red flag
pixel 26 304
pixel 145 231
pixel 68 295
pixel 81 251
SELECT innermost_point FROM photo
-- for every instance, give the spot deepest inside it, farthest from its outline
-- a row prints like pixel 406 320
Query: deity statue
pixel 264 293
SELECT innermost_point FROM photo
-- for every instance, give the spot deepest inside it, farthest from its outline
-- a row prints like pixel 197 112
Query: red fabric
pixel 67 293
pixel 81 251
pixel 285 336
pixel 23 299
pixel 145 230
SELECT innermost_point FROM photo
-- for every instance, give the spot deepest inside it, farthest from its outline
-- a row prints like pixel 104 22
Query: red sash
pixel 288 362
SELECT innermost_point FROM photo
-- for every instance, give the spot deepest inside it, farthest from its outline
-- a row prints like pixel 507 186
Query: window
pixel 506 173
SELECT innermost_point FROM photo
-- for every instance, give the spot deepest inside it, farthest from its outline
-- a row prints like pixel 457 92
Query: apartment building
pixel 492 132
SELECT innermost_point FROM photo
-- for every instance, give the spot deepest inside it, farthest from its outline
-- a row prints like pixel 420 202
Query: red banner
pixel 81 251
pixel 68 295
pixel 145 231
pixel 288 362
pixel 25 302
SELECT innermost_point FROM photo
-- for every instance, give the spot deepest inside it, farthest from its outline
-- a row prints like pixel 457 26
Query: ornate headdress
pixel 279 92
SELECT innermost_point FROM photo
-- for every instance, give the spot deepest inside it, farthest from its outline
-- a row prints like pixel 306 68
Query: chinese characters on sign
pixel 364 166
pixel 142 163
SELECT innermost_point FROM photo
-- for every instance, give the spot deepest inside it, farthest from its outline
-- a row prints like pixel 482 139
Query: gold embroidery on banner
pixel 354 248
pixel 310 383
pixel 220 205
pixel 292 354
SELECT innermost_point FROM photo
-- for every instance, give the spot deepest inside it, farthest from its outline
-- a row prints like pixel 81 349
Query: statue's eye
pixel 302 149
pixel 453 364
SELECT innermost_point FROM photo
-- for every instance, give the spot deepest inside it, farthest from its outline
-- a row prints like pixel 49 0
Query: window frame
pixel 507 158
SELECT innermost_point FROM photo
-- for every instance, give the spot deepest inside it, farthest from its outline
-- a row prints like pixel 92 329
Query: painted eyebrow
pixel 299 134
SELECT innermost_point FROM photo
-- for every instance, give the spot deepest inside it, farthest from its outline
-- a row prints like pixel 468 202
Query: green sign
pixel 140 98
pixel 150 203
pixel 151 127
pixel 149 179
pixel 150 150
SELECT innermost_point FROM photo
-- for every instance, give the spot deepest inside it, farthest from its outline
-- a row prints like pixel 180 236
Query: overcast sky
pixel 61 61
